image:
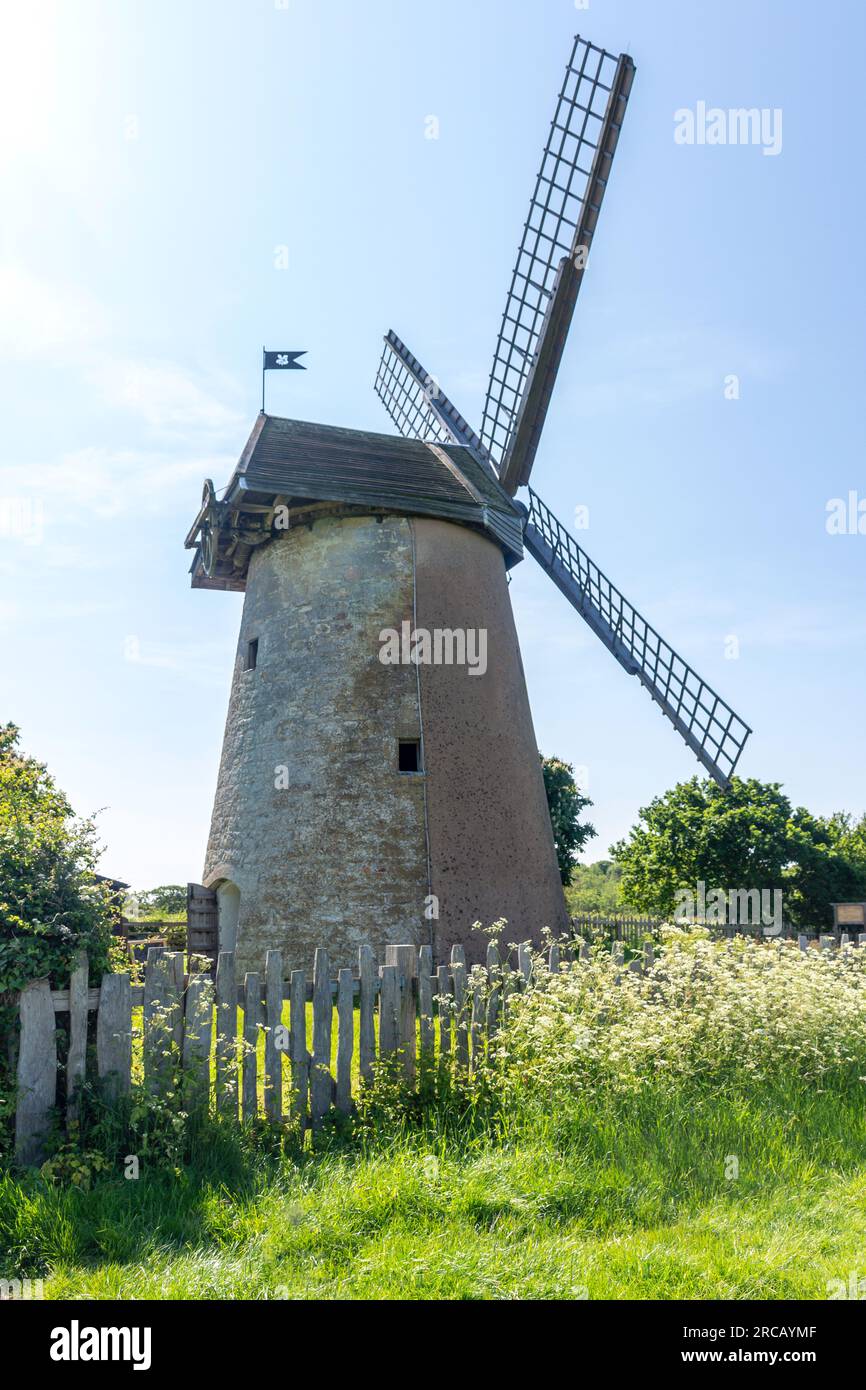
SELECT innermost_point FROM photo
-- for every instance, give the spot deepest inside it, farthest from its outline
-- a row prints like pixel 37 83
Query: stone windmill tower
pixel 380 778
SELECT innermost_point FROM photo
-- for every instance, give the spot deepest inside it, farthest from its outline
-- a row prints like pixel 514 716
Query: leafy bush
pixel 175 935
pixel 595 888
pixel 51 904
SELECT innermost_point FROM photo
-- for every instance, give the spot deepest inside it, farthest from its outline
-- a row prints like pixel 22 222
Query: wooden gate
pixel 202 923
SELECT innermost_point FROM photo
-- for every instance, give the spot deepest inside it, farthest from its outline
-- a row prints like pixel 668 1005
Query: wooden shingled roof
pixel 299 464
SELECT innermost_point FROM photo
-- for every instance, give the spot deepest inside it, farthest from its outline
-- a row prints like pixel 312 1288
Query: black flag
pixel 282 361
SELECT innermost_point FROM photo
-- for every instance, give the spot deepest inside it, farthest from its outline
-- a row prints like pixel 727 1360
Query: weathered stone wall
pixel 339 856
pixel 349 850
pixel 491 843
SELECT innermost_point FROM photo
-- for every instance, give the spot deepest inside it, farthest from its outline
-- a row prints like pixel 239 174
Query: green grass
pixel 609 1198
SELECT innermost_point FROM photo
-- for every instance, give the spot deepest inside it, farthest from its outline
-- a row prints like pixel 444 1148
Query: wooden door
pixel 202 922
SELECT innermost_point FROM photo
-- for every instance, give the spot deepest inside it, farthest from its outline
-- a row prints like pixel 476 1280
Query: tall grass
pixel 699 1132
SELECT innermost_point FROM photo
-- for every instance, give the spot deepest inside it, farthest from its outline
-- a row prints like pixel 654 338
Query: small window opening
pixel 409 755
pixel 252 655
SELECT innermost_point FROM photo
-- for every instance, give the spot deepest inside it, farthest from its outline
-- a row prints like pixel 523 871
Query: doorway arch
pixel 228 909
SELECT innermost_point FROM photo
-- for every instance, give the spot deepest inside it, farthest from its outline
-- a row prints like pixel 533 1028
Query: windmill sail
pixel 417 404
pixel 556 242
pixel 713 731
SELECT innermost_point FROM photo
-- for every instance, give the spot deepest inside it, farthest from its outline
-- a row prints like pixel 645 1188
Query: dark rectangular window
pixel 409 755
pixel 252 655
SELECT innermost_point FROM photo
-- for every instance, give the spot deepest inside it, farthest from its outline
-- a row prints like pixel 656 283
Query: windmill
pixel 413 803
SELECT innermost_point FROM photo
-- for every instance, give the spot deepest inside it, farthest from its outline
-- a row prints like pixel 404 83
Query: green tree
pixel 169 900
pixel 50 901
pixel 595 888
pixel 747 837
pixel 565 803
pixel 848 834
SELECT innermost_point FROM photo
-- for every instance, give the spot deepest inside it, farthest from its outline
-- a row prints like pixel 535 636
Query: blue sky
pixel 155 155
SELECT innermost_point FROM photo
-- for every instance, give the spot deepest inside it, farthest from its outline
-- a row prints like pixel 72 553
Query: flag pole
pixel 263 379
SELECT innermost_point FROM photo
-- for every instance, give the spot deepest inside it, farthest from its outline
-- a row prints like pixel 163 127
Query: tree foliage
pixel 749 837
pixel 595 888
pixel 565 803
pixel 169 900
pixel 50 901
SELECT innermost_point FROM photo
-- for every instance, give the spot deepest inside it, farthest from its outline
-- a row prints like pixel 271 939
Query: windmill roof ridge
pixel 300 462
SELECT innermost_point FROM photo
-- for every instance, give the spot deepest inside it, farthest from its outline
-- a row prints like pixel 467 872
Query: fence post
pixel 345 1040
pixel 494 986
pixel 76 1059
pixel 163 1021
pixel 476 990
pixel 443 991
pixel 250 1060
pixel 366 1010
pixel 149 1009
pixel 388 1005
pixel 114 1034
pixel 274 1021
pixel 461 1025
pixel 300 1057
pixel 174 967
pixel 37 1071
pixel 226 1035
pixel 524 963
pixel 321 1085
pixel 405 958
pixel 425 1007
pixel 197 1033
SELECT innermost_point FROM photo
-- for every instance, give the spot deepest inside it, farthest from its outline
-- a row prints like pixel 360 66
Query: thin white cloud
pixel 163 395
pixel 64 327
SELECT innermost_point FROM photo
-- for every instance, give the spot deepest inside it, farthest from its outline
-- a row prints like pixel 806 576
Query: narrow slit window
pixel 252 655
pixel 409 755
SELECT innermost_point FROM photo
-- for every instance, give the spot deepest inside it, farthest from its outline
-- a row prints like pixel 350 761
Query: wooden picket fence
pixel 189 1024
pixel 634 930
pixel 619 926
pixel 190 1030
